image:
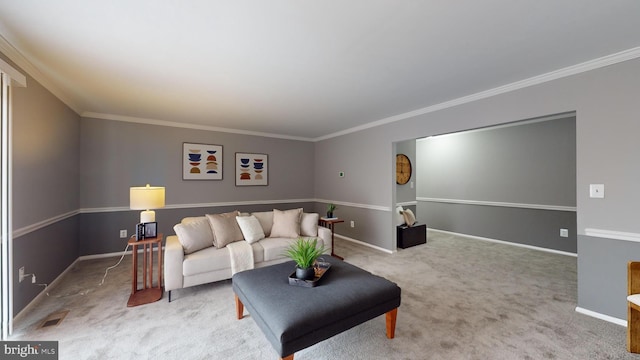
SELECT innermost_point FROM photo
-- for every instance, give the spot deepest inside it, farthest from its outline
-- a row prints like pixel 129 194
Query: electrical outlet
pixel 353 223
pixel 564 233
pixel 123 234
pixel 21 273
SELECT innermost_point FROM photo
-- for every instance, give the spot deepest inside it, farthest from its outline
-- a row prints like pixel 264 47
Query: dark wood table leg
pixel 239 308
pixel 391 323
pixel 331 225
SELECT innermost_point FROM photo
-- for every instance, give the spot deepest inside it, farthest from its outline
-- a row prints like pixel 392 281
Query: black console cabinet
pixel 411 235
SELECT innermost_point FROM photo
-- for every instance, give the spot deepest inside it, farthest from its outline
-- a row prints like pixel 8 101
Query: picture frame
pixel 150 230
pixel 140 231
pixel 252 169
pixel 146 230
pixel 201 161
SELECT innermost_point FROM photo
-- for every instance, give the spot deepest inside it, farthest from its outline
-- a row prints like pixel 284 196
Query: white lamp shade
pixel 146 197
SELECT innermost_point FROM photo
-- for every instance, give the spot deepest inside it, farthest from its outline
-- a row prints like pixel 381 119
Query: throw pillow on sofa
pixel 251 228
pixel 225 229
pixel 266 220
pixel 194 235
pixel 286 223
pixel 309 224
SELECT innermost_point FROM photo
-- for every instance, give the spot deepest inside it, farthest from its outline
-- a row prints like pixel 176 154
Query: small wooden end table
pixel 148 293
pixel 329 223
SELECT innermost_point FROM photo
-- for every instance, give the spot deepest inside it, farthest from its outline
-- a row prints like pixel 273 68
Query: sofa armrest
pixel 325 234
pixel 173 258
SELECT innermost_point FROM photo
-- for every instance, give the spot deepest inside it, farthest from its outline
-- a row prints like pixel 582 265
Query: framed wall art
pixel 201 162
pixel 252 169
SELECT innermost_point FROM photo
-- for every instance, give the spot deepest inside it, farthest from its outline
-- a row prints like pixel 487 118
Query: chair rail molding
pixel 500 204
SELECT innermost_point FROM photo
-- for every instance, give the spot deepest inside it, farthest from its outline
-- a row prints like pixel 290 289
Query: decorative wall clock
pixel 403 169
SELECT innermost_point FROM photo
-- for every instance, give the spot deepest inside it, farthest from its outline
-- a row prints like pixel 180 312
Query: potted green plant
pixel 304 252
pixel 330 209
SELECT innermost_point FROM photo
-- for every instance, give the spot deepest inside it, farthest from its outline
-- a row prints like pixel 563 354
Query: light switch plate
pixel 596 191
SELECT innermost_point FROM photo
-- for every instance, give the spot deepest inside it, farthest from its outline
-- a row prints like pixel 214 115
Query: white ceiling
pixel 300 68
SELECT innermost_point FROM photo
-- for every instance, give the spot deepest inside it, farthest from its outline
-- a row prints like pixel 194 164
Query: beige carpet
pixel 461 299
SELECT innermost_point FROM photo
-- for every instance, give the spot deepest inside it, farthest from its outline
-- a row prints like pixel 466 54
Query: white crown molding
pixel 17 57
pixel 610 234
pixel 601 62
pixel 20 60
pixel 500 204
pixel 131 119
pixel 17 78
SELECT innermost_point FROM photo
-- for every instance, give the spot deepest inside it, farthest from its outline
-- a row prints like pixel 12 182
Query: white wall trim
pixel 42 224
pixel 600 316
pixel 17 78
pixel 365 244
pixel 610 234
pixel 200 205
pixel 407 203
pixel 553 251
pixel 607 60
pixel 131 119
pixel 45 292
pixel 500 204
pixel 240 203
pixel 17 57
pixel 350 204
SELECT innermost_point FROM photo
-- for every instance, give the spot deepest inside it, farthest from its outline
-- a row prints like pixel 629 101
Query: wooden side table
pixel 148 293
pixel 330 223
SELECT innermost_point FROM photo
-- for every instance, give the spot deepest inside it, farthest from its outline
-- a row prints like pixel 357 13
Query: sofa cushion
pixel 275 247
pixel 194 235
pixel 309 224
pixel 206 260
pixel 286 223
pixel 266 220
pixel 251 228
pixel 225 228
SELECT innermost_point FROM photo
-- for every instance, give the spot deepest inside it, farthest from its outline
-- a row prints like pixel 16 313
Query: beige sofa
pixel 202 249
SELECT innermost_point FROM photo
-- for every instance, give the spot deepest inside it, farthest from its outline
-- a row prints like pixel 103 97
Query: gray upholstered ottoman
pixel 293 317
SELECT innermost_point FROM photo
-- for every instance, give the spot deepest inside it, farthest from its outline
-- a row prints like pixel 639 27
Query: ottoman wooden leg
pixel 239 308
pixel 391 323
pixel 290 357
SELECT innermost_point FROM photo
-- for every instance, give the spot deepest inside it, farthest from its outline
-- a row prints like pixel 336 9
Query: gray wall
pixel 529 164
pixel 45 138
pixel 606 107
pixel 604 100
pixel 407 192
pixel 117 155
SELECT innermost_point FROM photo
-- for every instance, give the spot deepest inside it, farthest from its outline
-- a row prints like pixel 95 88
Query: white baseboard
pixel 55 282
pixel 507 243
pixel 365 244
pixel 604 317
pixel 43 293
